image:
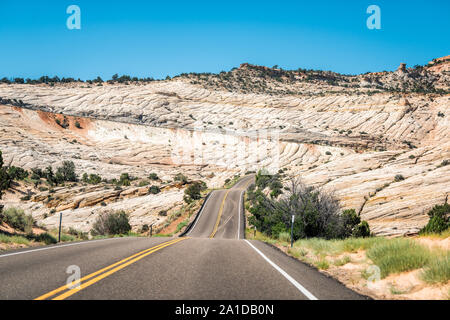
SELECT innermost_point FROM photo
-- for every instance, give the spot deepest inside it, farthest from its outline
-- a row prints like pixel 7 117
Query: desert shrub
pixel 17 219
pixel 180 177
pixel 154 190
pixel 77 233
pixel 16 173
pixel 124 180
pixel 77 124
pixel 91 178
pixel 66 173
pixel 46 238
pixel 153 176
pixel 444 163
pixel 278 228
pixel 439 219
pixel 5 179
pixel 399 177
pixel 362 230
pixel 317 213
pixel 193 192
pixel 163 213
pixel 143 183
pixel 145 228
pixel 111 223
pixel 328 153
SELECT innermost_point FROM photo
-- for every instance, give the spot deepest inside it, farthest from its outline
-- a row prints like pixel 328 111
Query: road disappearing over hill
pixel 212 261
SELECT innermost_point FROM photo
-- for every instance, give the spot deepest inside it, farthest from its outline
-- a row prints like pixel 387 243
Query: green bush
pixel 5 178
pixel 362 230
pixel 17 219
pixel 278 228
pixel 77 233
pixel 16 173
pixel 143 183
pixel 193 192
pixel 66 173
pixel 439 219
pixel 153 176
pixel 180 177
pixel 154 190
pixel 317 213
pixel 124 180
pixel 111 223
pixel 46 238
pixel 91 179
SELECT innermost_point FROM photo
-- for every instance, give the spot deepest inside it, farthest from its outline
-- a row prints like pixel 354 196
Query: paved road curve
pixel 213 261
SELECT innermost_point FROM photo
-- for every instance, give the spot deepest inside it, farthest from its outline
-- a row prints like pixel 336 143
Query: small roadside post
pixel 292 231
pixel 60 222
pixel 151 229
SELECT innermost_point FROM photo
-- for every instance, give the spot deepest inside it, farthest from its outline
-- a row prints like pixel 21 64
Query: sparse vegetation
pixel 153 176
pixel 193 191
pixel 398 255
pixel 91 178
pixel 317 213
pixel 181 178
pixel 438 269
pixel 439 219
pixel 17 219
pixel 154 190
pixel 111 223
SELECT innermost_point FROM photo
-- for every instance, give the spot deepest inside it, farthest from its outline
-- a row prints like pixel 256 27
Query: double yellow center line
pixel 76 286
pixel 219 215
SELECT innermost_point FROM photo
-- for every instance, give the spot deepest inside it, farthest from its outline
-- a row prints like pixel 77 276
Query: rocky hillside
pixel 380 140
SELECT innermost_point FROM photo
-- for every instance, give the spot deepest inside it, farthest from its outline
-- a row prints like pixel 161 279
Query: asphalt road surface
pixel 213 261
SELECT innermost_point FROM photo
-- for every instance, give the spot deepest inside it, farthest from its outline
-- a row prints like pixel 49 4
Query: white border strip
pixel 200 214
pixel 308 294
pixel 240 213
pixel 61 246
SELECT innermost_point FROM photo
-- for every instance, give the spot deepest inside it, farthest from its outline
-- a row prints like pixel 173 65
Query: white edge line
pixel 200 214
pixel 56 247
pixel 240 212
pixel 308 294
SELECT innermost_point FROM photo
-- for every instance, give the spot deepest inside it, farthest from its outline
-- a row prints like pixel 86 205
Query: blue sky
pixel 159 38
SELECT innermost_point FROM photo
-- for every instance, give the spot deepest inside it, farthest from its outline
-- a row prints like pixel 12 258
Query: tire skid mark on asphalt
pixel 103 273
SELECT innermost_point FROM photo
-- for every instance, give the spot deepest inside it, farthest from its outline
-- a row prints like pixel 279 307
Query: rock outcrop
pixel 350 139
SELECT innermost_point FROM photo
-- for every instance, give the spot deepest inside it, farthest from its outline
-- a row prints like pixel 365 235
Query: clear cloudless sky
pixel 159 38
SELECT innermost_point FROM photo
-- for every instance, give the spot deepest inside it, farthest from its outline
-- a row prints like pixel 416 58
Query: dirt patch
pixel 172 227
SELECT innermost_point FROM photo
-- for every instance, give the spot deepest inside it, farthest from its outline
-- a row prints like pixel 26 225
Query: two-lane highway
pixel 212 262
pixel 222 215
